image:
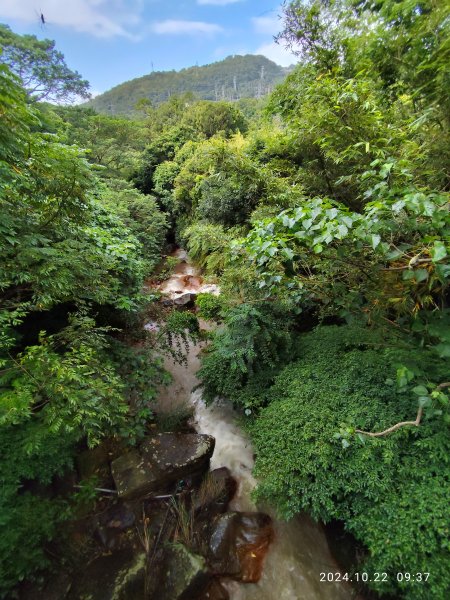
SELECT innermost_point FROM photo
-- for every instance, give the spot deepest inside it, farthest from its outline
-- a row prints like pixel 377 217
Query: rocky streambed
pixel 178 522
pixel 168 535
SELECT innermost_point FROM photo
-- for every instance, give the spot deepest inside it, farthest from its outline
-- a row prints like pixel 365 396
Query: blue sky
pixel 111 41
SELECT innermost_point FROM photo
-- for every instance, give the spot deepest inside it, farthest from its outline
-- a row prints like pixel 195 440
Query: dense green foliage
pixel 235 77
pixel 209 306
pixel 391 492
pixel 246 352
pixel 141 214
pixel 114 143
pixel 71 247
pixel 350 225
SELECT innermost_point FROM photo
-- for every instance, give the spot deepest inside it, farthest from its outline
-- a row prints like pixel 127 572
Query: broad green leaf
pixel 376 239
pixel 420 275
pixel 439 251
pixel 443 350
pixel 424 401
pixel 420 390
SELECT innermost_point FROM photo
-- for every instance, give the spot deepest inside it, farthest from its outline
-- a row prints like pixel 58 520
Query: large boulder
pixel 238 544
pixel 184 575
pixel 95 462
pixel 161 461
pixel 118 576
pixel 112 523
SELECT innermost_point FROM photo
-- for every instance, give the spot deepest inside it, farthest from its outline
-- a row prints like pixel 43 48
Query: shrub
pixel 168 268
pixel 390 491
pixel 28 520
pixel 210 306
pixel 245 352
pixel 220 183
pixel 208 246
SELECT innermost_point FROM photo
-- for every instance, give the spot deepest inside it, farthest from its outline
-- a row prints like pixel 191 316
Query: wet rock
pixel 185 299
pixel 238 544
pixel 161 461
pixel 215 492
pixel 119 576
pixel 184 575
pixel 191 281
pixel 110 524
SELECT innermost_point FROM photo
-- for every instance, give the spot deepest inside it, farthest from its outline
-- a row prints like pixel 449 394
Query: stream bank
pixel 299 552
pixel 183 525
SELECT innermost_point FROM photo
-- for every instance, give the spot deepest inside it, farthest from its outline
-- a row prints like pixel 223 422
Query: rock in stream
pixel 161 461
pixel 238 544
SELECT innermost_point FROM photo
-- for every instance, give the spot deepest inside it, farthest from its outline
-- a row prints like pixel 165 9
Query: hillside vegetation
pixel 234 78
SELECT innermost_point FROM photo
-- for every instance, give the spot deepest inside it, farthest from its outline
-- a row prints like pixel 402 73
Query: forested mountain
pixel 235 77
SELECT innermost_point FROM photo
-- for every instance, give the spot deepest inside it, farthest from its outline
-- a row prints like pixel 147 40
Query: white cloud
pixel 218 2
pixel 277 53
pixel 267 25
pixel 185 27
pixel 101 18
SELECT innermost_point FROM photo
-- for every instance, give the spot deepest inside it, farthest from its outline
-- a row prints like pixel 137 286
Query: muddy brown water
pixel 186 279
pixel 300 552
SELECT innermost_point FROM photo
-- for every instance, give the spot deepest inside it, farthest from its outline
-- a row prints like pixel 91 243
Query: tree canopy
pixel 68 252
pixel 41 68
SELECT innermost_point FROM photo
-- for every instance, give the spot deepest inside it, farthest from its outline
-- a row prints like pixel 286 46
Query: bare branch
pixel 415 423
pixel 405 267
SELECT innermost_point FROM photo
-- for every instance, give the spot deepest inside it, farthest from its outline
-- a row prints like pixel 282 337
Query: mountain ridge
pixel 233 78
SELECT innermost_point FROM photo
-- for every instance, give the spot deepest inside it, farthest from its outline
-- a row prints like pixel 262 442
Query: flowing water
pixel 300 551
pixel 186 279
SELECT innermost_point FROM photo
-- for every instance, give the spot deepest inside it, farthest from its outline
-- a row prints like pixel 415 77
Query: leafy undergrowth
pixel 392 492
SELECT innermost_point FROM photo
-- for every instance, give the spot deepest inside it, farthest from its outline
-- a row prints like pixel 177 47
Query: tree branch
pixel 415 423
pixel 404 267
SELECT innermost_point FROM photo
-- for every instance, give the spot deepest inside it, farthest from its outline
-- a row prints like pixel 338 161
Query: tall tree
pixel 41 67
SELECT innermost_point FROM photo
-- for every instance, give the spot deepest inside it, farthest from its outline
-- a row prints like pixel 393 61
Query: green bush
pixel 220 183
pixel 168 268
pixel 210 306
pixel 208 245
pixel 61 250
pixel 210 118
pixel 28 519
pixel 245 353
pixel 141 215
pixel 390 491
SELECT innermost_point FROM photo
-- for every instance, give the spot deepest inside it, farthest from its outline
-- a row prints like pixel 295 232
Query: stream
pixel 300 550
